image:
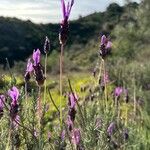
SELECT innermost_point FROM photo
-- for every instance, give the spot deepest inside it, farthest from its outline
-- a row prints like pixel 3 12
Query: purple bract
pixel 14 94
pixel 36 57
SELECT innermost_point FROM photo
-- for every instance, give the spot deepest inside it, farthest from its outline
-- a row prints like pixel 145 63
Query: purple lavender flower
pixel 64 26
pixel 109 45
pixel 118 91
pixel 28 70
pixel 38 68
pixel 66 10
pixel 14 94
pixel 103 40
pixel 76 137
pixel 69 123
pixel 29 66
pixel 46 45
pixel 2 100
pixel 36 57
pixel 72 100
pixel 105 46
pixel 111 128
pixel 63 135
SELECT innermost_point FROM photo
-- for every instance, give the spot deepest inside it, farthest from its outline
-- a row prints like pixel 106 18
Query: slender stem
pixel 126 117
pixel 100 72
pixel 105 84
pixel 61 76
pixel 134 96
pixel 39 107
pixel 51 98
pixel 45 83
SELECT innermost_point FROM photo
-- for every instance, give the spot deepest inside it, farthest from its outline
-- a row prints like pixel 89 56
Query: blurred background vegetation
pixel 128 27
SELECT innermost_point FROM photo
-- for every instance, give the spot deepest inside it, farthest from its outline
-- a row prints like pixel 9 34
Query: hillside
pixel 18 38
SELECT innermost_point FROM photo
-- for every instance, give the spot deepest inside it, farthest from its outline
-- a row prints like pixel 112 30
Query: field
pixel 91 94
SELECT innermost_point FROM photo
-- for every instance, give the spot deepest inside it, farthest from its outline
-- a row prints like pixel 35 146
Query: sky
pixel 46 11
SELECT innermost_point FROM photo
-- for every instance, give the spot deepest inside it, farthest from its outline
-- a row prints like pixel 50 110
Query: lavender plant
pixel 108 116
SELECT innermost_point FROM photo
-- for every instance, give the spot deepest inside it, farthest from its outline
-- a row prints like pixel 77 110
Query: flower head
pixel 66 9
pixel 29 66
pixel 111 128
pixel 14 94
pixel 29 69
pixel 36 57
pixel 64 26
pixel 118 91
pixel 76 136
pixel 105 46
pixel 72 100
pixel 47 45
pixel 103 40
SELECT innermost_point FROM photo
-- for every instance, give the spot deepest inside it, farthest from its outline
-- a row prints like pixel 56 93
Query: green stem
pixel 51 98
pixel 45 83
pixel 61 76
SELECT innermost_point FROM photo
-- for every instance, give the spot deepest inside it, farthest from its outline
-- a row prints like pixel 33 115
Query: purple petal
pixel 36 57
pixel 14 94
pixel 109 45
pixel 76 136
pixel 69 8
pixel 103 40
pixel 118 91
pixel 72 100
pixel 63 8
pixel 72 2
pixel 111 128
pixel 29 66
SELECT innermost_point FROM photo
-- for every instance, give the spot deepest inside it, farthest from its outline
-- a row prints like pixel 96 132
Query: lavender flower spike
pixel 76 137
pixel 111 128
pixel 72 100
pixel 64 26
pixel 118 91
pixel 28 70
pixel 36 57
pixel 29 66
pixel 103 40
pixel 14 94
pixel 66 10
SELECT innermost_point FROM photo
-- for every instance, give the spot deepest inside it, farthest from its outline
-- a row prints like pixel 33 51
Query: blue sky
pixel 44 11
